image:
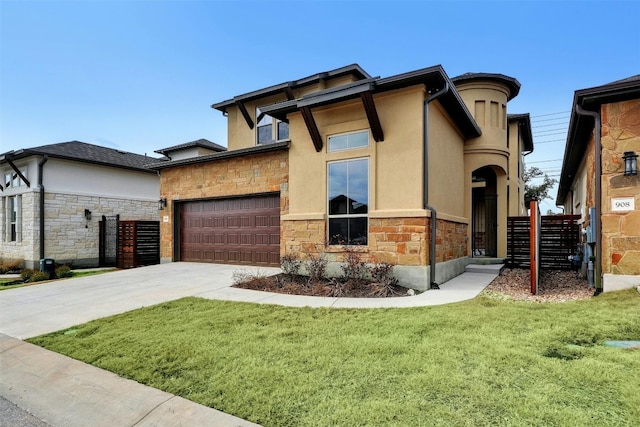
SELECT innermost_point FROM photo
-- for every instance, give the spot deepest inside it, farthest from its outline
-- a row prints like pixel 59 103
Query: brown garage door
pixel 237 231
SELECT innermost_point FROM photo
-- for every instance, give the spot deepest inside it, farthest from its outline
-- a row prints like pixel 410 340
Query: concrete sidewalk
pixel 65 392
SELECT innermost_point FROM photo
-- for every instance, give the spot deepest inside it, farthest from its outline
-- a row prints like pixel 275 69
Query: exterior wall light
pixel 87 214
pixel 630 163
pixel 162 203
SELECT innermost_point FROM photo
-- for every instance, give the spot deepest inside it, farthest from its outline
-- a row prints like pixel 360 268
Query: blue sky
pixel 141 75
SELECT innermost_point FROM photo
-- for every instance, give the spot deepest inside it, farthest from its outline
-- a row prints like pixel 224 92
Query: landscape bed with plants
pixel 487 361
pixel 30 276
pixel 362 280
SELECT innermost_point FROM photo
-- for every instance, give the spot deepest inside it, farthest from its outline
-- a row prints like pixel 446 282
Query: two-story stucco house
pixel 417 169
pixel 595 182
pixel 53 197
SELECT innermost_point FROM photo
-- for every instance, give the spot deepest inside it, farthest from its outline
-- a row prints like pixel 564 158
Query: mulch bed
pixel 300 285
pixel 554 286
pixel 513 284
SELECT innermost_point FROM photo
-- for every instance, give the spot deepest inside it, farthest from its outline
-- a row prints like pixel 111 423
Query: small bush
pixel 63 271
pixel 384 282
pixel 26 274
pixel 317 267
pixel 290 264
pixel 245 276
pixel 39 276
pixel 11 266
pixel 353 268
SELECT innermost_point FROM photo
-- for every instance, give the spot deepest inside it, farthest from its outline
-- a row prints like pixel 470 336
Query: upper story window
pixel 270 129
pixel 347 141
pixel 12 179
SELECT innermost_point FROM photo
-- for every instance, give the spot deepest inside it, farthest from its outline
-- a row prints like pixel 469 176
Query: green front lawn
pixel 482 362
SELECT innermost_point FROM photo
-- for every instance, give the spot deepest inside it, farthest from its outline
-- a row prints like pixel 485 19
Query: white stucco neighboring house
pixel 53 197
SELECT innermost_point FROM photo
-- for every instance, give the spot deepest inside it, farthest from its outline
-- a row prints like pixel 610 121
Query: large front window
pixel 348 202
pixel 270 129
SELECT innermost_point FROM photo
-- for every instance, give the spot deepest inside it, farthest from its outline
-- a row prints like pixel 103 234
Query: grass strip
pixel 481 362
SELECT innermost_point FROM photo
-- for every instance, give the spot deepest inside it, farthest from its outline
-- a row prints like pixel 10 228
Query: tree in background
pixel 539 191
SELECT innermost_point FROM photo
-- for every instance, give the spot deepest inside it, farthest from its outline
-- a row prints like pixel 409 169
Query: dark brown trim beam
pixel 307 115
pixel 372 116
pixel 22 177
pixel 289 93
pixel 245 113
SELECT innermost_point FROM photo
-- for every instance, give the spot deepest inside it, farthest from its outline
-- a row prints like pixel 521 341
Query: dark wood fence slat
pixel 559 237
pixel 139 243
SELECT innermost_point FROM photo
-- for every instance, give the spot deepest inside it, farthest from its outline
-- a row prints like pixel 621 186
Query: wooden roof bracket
pixel 288 92
pixel 245 113
pixel 372 116
pixel 307 115
pixel 17 171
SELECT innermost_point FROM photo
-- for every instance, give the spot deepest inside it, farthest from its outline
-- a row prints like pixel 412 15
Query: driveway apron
pixel 35 310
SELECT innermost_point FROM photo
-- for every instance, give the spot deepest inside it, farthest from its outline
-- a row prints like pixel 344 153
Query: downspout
pixel 41 187
pixel 597 221
pixel 425 187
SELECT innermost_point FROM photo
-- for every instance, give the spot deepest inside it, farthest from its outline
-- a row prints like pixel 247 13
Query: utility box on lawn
pixel 48 265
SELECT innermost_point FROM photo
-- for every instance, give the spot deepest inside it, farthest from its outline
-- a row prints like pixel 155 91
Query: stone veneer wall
pixel 397 241
pixel 71 238
pixel 250 174
pixel 620 230
pixel 27 248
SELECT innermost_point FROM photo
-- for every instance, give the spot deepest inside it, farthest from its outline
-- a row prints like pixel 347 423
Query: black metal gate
pixel 485 224
pixel 108 252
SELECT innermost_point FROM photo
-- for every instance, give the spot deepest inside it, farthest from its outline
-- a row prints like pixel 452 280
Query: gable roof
pixel 580 127
pixel 353 69
pixel 87 153
pixel 524 121
pixel 203 143
pixel 434 78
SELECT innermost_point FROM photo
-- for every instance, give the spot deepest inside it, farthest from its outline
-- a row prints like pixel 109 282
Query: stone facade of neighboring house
pixel 607 199
pixel 53 197
pixel 341 159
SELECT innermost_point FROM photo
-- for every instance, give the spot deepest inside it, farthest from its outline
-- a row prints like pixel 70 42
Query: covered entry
pixel 484 213
pixel 238 230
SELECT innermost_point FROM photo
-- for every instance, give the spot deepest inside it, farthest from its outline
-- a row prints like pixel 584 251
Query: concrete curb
pixel 65 392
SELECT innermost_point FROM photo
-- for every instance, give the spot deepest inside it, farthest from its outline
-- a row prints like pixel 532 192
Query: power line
pixel 549 120
pixel 551 114
pixel 547 142
pixel 545 161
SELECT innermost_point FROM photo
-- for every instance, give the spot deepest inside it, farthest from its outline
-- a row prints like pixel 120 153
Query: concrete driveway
pixel 35 310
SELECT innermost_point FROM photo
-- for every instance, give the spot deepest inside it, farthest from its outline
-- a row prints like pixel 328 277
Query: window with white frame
pixel 269 129
pixel 348 202
pixel 12 179
pixel 13 220
pixel 348 141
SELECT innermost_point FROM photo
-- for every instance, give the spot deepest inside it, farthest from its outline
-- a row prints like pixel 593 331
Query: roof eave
pixel 222 155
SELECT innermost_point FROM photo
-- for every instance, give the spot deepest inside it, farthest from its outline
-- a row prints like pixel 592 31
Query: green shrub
pixel 26 274
pixel 63 271
pixel 39 276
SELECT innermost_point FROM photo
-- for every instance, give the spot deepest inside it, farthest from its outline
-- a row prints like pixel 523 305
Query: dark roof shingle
pixel 88 153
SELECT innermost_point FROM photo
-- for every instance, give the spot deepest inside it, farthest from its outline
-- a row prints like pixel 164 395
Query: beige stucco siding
pixel 395 164
pixel 446 164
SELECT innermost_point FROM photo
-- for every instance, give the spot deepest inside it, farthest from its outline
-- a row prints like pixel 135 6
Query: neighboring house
pixel 605 120
pixel 341 157
pixel 53 197
pixel 187 150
